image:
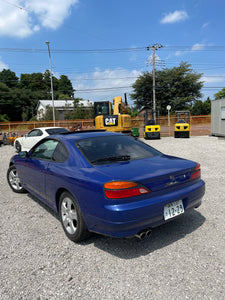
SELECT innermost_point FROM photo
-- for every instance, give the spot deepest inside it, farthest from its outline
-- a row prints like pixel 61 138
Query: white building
pixel 218 117
pixel 61 106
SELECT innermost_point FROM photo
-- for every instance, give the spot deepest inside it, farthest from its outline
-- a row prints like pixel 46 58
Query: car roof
pixel 77 135
pixel 44 128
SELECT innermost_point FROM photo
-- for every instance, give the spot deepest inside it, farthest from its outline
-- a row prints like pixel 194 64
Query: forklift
pixel 152 126
pixel 182 124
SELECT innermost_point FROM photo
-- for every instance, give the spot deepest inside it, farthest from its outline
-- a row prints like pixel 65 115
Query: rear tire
pixel 14 180
pixel 71 218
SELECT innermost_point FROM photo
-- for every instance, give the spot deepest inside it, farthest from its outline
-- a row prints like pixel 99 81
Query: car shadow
pixel 43 205
pixel 129 248
pixel 162 236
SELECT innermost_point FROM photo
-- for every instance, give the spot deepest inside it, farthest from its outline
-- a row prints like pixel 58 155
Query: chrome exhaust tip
pixel 148 233
pixel 143 234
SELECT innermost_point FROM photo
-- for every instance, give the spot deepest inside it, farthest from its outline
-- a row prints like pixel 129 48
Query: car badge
pixel 172 181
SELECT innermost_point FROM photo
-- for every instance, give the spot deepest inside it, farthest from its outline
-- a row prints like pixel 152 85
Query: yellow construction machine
pixel 113 117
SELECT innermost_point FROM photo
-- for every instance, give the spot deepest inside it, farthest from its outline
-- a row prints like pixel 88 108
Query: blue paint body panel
pixel 168 179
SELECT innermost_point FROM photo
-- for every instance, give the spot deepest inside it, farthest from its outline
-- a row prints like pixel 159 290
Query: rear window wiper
pixel 112 158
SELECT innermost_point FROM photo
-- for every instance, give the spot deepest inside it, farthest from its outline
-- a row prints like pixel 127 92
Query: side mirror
pixel 23 154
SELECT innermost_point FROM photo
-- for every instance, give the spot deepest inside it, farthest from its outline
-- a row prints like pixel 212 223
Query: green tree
pixel 47 82
pixel 9 78
pixel 179 86
pixel 49 114
pixel 65 87
pixel 79 111
pixel 133 111
pixel 34 81
pixel 201 107
pixel 4 118
pixel 19 98
pixel 220 94
pixel 6 108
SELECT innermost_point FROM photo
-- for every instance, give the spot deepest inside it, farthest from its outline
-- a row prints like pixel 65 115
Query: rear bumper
pixel 130 218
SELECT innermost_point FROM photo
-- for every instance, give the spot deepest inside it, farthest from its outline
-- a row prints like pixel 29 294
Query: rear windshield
pixel 112 149
pixel 52 131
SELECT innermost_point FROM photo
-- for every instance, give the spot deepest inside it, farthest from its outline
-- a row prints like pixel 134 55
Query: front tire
pixel 71 218
pixel 14 180
pixel 17 146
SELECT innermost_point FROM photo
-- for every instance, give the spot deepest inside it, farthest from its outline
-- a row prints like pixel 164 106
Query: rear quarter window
pixel 60 154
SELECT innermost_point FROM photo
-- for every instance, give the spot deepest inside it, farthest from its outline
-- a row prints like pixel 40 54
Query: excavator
pixel 113 117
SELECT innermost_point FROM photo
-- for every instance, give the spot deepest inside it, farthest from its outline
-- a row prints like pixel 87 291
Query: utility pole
pixel 50 62
pixel 153 48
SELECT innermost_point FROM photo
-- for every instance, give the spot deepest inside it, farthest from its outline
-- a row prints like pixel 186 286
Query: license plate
pixel 173 209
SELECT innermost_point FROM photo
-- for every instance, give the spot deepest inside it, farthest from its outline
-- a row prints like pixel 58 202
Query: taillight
pixel 124 189
pixel 197 172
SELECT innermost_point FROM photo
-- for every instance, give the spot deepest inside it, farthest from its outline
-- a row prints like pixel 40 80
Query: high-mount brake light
pixel 124 189
pixel 197 172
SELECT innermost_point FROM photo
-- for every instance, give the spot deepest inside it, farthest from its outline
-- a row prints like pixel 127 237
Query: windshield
pixel 112 149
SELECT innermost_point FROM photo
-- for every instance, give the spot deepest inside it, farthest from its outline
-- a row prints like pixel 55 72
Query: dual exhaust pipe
pixel 143 234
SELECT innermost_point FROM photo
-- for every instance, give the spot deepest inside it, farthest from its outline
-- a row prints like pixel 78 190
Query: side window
pixel 35 132
pixel 45 150
pixel 61 154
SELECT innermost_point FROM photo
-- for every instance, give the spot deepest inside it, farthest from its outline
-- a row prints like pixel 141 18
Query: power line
pixel 72 51
pixel 102 79
pixel 12 4
pixel 110 50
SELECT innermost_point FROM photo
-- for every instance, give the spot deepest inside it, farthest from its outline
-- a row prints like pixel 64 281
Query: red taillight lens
pixel 197 172
pixel 123 189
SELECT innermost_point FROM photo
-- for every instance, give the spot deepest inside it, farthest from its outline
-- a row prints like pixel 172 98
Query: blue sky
pixel 112 37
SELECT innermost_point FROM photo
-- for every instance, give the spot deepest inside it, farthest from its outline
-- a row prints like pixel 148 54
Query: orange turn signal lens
pixel 124 189
pixel 119 185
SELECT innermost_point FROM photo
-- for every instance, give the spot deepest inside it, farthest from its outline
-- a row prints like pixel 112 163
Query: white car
pixel 26 142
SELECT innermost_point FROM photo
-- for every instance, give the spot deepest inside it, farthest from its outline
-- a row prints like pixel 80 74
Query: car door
pixel 31 139
pixel 33 172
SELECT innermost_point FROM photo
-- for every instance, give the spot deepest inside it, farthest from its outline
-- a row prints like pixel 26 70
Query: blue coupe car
pixel 107 183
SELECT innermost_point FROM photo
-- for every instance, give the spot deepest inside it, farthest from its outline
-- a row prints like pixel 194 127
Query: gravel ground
pixel 184 259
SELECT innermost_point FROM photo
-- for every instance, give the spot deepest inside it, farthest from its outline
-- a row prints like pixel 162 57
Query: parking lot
pixel 184 259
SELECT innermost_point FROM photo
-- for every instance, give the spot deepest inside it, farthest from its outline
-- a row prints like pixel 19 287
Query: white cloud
pixel 212 79
pixel 21 18
pixel 50 13
pixel 120 80
pixel 197 47
pixel 14 21
pixel 174 17
pixel 205 25
pixel 3 65
pixel 150 59
pixel 179 53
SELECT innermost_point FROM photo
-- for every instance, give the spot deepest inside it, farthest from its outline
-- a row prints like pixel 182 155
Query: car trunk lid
pixel 156 173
